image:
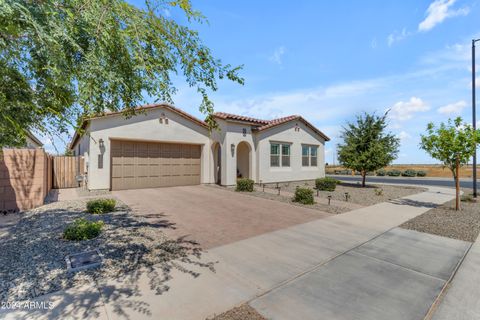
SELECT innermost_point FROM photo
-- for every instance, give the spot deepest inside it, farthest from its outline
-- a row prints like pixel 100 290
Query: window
pixel 305 156
pixel 309 156
pixel 285 155
pixel 277 159
pixel 275 155
pixel 313 156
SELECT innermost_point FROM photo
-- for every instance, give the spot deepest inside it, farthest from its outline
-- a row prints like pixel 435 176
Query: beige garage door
pixel 138 165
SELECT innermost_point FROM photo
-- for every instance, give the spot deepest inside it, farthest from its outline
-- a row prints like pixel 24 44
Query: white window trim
pixel 280 155
pixel 309 156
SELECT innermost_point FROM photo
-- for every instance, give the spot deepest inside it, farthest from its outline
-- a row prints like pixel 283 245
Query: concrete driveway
pixel 212 216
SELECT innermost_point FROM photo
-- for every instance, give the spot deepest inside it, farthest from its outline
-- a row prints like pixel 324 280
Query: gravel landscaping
pixel 370 195
pixel 33 255
pixel 317 206
pixel 244 312
pixel 445 221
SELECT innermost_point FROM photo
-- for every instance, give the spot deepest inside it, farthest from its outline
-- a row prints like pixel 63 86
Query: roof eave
pixel 308 124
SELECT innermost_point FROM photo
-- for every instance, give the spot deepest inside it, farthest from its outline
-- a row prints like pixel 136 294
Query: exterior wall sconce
pixel 101 145
pixel 232 149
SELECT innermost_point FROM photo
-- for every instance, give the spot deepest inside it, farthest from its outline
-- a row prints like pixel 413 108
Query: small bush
pixel 83 229
pixel 409 173
pixel 467 198
pixel 303 195
pixel 99 206
pixel 394 173
pixel 421 173
pixel 381 173
pixel 379 192
pixel 326 184
pixel 245 184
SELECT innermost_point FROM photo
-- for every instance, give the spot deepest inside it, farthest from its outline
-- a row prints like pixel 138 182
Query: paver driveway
pixel 212 216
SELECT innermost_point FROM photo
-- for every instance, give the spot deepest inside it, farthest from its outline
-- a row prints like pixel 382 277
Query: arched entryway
pixel 243 160
pixel 217 163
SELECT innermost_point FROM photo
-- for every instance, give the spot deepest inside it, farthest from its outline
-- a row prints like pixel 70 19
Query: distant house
pixel 165 146
pixel 32 142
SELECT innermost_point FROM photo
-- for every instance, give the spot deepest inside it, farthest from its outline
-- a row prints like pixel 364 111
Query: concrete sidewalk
pixel 275 265
pixel 462 299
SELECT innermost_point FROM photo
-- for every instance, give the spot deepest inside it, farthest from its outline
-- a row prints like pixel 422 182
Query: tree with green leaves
pixel 366 144
pixel 454 144
pixel 61 60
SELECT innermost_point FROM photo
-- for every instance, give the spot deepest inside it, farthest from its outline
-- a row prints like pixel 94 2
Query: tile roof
pixel 267 124
pixel 156 105
pixel 263 124
pixel 230 116
pixel 182 113
pixel 279 121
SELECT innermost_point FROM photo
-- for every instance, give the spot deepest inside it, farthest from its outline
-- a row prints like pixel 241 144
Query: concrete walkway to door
pixel 348 266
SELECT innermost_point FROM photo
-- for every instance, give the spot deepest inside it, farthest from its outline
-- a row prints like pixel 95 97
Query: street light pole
pixel 474 118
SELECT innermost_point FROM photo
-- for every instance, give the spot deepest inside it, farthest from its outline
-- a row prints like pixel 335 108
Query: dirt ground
pixel 432 170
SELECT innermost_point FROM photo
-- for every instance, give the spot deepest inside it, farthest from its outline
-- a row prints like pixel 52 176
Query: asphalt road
pixel 400 180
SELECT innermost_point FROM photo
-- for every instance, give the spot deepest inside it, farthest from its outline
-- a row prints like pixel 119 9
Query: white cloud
pixel 438 11
pixel 321 103
pixel 373 43
pixel 403 135
pixel 453 108
pixel 404 110
pixel 276 57
pixel 397 36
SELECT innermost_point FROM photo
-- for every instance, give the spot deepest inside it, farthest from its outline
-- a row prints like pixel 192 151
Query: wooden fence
pixel 65 171
pixel 25 178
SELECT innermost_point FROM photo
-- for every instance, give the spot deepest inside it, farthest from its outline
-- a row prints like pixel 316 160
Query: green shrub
pixel 379 192
pixel 467 198
pixel 381 173
pixel 326 184
pixel 409 173
pixel 421 173
pixel 394 173
pixel 99 206
pixel 245 184
pixel 82 229
pixel 303 195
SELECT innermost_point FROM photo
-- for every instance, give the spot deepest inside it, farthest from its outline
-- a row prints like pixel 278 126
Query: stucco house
pixel 32 142
pixel 165 146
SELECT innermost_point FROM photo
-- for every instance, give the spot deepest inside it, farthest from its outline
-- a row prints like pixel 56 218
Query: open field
pixel 432 170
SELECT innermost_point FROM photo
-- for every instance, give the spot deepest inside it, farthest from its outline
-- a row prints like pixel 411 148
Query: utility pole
pixel 474 118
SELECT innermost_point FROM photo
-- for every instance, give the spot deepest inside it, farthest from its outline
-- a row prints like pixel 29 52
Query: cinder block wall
pixel 25 178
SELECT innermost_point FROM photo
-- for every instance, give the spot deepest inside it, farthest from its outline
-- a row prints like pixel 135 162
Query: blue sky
pixel 331 60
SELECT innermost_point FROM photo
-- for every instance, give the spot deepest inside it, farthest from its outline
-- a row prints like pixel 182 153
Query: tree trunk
pixel 457 186
pixel 364 175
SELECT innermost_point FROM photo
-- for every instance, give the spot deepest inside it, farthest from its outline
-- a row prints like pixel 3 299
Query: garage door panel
pixel 151 165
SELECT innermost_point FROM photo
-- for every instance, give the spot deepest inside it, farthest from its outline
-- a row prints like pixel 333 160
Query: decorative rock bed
pixel 363 196
pixel 33 254
pixel 446 222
